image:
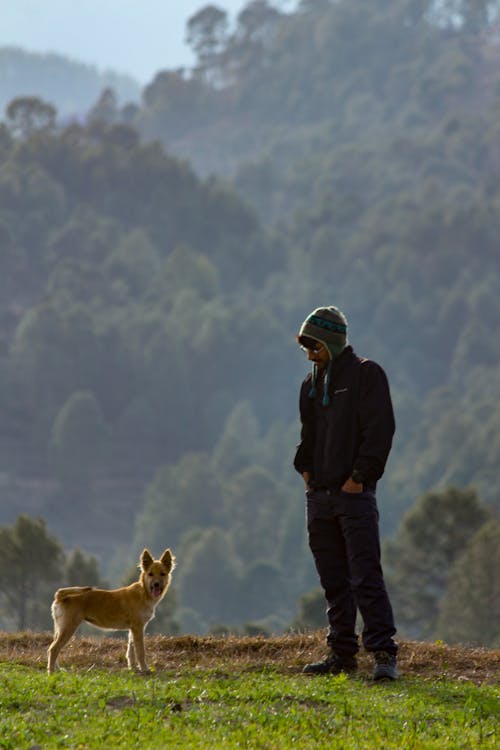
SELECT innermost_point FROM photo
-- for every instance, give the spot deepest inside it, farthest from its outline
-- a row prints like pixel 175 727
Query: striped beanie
pixel 329 326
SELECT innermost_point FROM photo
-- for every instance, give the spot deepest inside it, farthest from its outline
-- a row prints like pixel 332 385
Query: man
pixel 347 429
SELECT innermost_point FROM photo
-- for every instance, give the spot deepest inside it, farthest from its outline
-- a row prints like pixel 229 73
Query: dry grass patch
pixel 287 653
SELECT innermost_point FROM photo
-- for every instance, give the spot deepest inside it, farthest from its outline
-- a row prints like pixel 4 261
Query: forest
pixel 156 261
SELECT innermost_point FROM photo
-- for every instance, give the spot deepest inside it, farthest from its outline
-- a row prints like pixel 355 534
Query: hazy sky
pixel 132 36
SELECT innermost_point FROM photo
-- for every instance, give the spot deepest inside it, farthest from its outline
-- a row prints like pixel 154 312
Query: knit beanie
pixel 329 326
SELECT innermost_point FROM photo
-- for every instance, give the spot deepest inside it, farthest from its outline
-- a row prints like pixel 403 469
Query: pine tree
pixel 470 610
pixel 432 535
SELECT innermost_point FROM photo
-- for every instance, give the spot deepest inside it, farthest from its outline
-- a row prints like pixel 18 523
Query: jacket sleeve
pixel 376 422
pixel 304 456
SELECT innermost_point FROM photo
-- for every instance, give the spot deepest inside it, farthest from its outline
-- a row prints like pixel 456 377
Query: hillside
pixel 372 151
pixel 149 372
pixel 362 74
pixel 72 87
pixel 429 661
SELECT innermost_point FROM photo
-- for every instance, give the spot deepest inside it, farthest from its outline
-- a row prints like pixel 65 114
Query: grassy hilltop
pixel 243 692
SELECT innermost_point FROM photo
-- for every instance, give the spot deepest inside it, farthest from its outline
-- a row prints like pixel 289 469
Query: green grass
pixel 211 708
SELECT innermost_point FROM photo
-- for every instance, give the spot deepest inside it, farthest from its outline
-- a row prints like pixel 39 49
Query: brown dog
pixel 129 608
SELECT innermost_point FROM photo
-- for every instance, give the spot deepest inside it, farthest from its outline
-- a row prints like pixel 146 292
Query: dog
pixel 128 608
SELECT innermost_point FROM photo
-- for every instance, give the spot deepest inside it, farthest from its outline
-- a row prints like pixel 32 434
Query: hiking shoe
pixel 333 664
pixel 385 666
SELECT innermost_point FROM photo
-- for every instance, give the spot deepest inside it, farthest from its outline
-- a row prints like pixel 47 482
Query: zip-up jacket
pixel 354 431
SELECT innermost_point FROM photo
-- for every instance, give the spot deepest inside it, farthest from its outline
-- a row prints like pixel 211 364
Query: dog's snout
pixel 156 588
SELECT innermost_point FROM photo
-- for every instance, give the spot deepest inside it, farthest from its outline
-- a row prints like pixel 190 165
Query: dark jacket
pixel 354 432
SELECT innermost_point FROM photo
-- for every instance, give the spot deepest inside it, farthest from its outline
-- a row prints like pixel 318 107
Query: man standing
pixel 347 429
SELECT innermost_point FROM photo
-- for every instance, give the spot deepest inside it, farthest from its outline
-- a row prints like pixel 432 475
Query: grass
pixel 241 693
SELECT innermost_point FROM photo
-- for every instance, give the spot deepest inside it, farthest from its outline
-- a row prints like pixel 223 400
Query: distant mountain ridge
pixel 71 86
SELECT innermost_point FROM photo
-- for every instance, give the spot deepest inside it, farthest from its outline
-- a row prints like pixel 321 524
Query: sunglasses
pixel 310 345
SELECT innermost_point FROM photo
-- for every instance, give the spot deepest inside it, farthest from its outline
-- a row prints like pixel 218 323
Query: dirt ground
pixel 287 653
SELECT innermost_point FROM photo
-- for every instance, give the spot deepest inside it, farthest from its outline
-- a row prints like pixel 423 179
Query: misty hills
pixel 71 86
pixel 268 100
pixel 148 365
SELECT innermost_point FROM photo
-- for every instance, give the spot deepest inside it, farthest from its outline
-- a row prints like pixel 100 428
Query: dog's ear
pixel 146 559
pixel 168 559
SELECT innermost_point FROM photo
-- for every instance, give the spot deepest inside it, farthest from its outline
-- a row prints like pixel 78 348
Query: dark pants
pixel 344 539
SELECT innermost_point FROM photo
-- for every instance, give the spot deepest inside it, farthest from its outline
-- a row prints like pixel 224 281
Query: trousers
pixel 343 532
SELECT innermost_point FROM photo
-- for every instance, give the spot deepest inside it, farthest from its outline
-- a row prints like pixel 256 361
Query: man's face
pixel 318 353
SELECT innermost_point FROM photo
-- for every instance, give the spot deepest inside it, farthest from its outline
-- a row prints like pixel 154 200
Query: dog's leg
pixel 62 633
pixel 131 657
pixel 137 632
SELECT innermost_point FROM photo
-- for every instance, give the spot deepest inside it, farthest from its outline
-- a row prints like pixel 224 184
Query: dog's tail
pixel 71 591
